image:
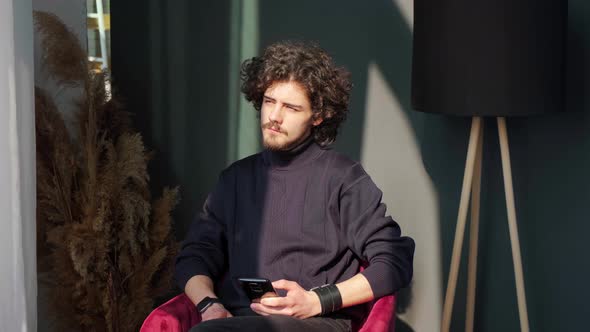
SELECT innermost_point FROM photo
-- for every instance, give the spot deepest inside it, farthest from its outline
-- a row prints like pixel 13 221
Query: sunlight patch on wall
pixel 406 8
pixel 391 155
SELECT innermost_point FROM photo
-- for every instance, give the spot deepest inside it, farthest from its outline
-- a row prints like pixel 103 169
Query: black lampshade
pixel 489 57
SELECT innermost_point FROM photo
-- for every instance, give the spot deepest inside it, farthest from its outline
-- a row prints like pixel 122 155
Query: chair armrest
pixel 177 315
pixel 382 316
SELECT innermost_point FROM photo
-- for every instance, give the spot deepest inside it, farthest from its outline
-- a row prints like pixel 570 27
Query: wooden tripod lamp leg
pixel 474 236
pixel 461 219
pixel 514 242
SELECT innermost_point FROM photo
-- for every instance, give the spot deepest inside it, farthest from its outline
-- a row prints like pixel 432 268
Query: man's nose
pixel 276 114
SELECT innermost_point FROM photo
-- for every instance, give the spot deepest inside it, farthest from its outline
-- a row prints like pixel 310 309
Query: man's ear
pixel 317 122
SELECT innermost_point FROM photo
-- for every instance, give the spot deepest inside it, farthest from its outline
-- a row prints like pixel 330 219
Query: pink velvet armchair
pixel 179 315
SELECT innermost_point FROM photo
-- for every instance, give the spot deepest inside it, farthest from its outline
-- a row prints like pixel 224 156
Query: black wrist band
pixel 206 303
pixel 330 298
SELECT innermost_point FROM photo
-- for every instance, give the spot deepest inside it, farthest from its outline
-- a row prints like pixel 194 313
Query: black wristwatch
pixel 206 303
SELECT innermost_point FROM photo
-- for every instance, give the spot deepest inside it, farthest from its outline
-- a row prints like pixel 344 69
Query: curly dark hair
pixel 328 86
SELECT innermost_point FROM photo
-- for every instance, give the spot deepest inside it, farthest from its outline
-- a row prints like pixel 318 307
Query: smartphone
pixel 257 288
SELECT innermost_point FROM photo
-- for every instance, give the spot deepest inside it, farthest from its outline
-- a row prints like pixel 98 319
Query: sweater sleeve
pixel 204 249
pixel 374 237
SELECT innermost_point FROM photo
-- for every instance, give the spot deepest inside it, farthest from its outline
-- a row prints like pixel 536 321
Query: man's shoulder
pixel 248 161
pixel 341 165
pixel 245 164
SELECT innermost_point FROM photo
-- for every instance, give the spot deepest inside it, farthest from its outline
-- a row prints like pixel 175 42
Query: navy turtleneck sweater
pixel 310 215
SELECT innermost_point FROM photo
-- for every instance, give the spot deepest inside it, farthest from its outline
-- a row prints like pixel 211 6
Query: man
pixel 297 213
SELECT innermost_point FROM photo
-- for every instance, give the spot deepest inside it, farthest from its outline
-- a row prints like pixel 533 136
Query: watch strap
pixel 206 303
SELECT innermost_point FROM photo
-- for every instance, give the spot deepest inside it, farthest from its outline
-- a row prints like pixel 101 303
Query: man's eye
pixel 267 101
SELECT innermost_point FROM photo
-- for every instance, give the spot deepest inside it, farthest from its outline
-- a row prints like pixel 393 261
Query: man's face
pixel 285 116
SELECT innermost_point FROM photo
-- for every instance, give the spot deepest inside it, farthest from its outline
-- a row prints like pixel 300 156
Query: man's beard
pixel 275 146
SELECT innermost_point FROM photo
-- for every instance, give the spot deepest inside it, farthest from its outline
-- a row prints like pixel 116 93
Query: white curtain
pixel 18 283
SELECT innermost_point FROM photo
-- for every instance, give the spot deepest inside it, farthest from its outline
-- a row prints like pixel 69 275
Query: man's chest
pixel 279 214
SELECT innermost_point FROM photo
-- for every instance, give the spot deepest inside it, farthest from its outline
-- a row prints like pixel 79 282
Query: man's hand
pixel 216 310
pixel 298 302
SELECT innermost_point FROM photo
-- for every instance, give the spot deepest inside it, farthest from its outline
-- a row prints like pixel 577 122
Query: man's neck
pixel 298 155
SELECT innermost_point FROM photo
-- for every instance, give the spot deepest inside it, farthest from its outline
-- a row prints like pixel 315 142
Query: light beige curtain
pixel 18 282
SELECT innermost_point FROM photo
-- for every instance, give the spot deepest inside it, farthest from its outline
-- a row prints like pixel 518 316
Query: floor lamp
pixel 487 59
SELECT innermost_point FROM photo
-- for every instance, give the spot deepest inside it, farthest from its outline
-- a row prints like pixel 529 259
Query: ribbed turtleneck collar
pixel 297 156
